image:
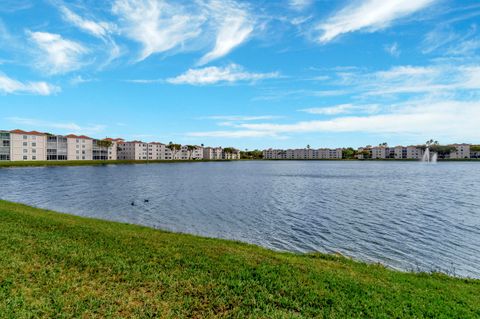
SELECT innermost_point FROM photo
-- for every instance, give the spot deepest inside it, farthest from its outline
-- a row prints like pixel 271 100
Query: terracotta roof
pixel 78 136
pixel 27 133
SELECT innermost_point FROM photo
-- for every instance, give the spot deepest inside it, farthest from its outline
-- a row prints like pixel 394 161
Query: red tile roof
pixel 27 133
pixel 79 136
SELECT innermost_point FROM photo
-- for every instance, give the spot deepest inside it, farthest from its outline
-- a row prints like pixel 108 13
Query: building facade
pixel 27 146
pixel 79 148
pixel 462 151
pixel 134 150
pixel 303 154
pixel 4 145
pixel 57 148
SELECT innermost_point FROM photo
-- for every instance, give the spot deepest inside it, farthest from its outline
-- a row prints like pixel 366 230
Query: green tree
pixel 348 153
pixel 174 148
pixel 190 149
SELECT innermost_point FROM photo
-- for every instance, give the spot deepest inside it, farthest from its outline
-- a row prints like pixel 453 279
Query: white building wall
pixel 79 148
pixel 462 151
pixel 28 147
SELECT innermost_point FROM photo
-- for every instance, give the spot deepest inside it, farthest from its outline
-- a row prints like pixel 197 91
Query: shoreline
pixel 6 164
pixel 53 263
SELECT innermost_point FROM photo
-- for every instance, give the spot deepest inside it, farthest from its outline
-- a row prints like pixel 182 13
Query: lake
pixel 407 215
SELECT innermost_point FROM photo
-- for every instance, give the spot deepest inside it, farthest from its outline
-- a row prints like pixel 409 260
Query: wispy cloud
pixel 157 25
pixel 300 5
pixel 393 49
pixel 368 15
pixel 76 80
pixel 447 119
pixel 343 109
pixel 98 29
pixel 233 25
pixel 161 26
pixel 242 118
pixel 17 5
pixel 212 75
pixel 232 134
pixel 57 55
pixel 69 127
pixel 12 86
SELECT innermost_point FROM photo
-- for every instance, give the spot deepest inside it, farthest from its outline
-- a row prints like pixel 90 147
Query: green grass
pixel 81 163
pixel 56 266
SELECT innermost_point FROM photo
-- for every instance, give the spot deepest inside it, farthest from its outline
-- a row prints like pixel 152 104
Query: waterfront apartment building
pixel 4 145
pixel 156 151
pixel 79 148
pixel 134 150
pixel 190 152
pixel 57 148
pixel 213 153
pixel 303 154
pixel 27 146
pixel 231 155
pixel 106 149
pixel 462 151
pixel 19 145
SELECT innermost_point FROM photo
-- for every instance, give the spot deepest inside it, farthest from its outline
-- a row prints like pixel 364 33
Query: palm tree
pixel 174 148
pixel 190 149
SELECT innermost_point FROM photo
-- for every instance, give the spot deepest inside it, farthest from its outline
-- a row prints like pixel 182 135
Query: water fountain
pixel 429 157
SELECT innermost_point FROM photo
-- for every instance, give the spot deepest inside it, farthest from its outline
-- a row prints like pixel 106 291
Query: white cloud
pixel 393 49
pixel 11 86
pixel 445 119
pixel 71 127
pixel 158 25
pixel 415 80
pixel 343 109
pixel 299 5
pixel 98 29
pixel 232 134
pixel 161 26
pixel 234 26
pixel 58 55
pixel 369 15
pixel 241 117
pixel 212 75
pixel 80 80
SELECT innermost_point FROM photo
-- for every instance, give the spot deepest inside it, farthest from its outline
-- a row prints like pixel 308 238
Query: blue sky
pixel 250 74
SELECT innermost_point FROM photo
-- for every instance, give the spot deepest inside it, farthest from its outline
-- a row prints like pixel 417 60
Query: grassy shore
pixel 121 162
pixel 81 163
pixel 54 265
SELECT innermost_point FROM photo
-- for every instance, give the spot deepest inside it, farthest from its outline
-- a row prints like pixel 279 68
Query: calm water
pixel 409 216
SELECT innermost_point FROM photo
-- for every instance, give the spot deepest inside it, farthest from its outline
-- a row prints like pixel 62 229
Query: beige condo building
pixel 27 146
pixel 79 148
pixel 303 154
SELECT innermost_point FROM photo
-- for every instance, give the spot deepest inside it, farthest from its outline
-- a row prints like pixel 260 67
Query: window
pixel 25 157
pixel 34 144
pixel 25 144
pixel 83 157
pixel 25 151
pixel 34 151
pixel 78 152
pixel 78 141
pixel 78 157
pixel 34 158
pixel 25 137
